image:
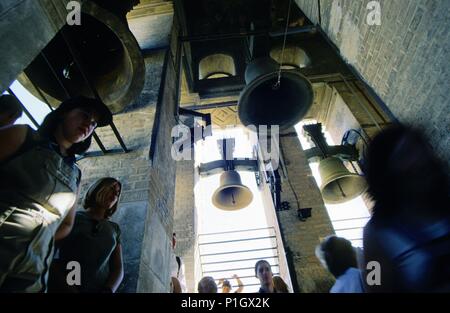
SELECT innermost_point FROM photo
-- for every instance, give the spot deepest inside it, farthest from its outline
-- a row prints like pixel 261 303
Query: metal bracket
pixel 216 167
pixel 204 131
pixel 322 150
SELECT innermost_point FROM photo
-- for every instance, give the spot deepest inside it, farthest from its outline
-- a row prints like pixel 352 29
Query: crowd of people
pixel 41 229
pixel 263 271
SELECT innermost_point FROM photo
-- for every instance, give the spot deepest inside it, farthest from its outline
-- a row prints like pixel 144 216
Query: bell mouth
pixel 345 189
pixel 339 185
pixel 269 104
pixel 110 55
pixel 232 197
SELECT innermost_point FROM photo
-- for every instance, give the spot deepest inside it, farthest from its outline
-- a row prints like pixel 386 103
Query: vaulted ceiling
pixel 240 30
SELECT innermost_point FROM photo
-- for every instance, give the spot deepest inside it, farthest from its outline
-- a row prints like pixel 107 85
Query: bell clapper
pixel 276 85
pixel 340 188
pixel 232 197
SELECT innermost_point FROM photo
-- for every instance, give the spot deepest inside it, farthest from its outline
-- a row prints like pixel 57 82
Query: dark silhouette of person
pixel 207 285
pixel 409 231
pixel 10 110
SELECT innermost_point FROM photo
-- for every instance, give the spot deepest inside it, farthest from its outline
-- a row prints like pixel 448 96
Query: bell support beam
pixel 322 150
pixel 339 185
pixel 231 195
pixel 216 167
pixel 347 152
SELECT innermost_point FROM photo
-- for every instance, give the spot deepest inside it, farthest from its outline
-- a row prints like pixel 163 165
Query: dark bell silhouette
pixel 110 55
pixel 264 101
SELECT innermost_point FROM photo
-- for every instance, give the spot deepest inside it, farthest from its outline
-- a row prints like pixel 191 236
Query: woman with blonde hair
pixel 95 240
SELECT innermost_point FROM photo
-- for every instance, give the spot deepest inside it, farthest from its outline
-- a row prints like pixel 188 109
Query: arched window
pixel 216 66
pixel 293 57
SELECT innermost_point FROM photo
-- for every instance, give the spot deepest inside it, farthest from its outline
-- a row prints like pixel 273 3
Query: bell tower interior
pixel 239 125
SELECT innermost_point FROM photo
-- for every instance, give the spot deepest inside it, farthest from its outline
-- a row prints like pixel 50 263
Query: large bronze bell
pixel 264 102
pixel 232 194
pixel 338 183
pixel 110 53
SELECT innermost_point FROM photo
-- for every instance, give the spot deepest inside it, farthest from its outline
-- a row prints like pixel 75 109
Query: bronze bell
pixel 264 102
pixel 110 53
pixel 232 194
pixel 338 183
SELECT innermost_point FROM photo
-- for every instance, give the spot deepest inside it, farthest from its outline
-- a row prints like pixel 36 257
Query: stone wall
pixel 405 59
pixel 184 224
pixel 132 169
pixel 147 173
pixel 301 238
pixel 154 274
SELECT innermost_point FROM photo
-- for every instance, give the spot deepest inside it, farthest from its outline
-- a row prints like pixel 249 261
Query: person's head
pixel 75 120
pixel 336 254
pixel 279 285
pixel 207 285
pixel 263 272
pixel 226 286
pixel 103 195
pixel 174 240
pixel 10 110
pixel 403 172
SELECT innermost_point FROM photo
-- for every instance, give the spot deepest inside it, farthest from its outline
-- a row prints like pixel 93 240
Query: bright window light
pixel 349 218
pixel 231 242
pixel 37 108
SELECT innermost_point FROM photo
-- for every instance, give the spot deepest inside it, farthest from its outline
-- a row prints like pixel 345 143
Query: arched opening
pixel 216 66
pixel 293 57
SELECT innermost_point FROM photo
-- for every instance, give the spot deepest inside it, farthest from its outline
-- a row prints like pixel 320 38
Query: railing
pixel 223 254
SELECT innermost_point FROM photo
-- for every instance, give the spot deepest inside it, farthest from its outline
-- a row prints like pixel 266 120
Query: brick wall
pixel 405 59
pixel 145 218
pixel 154 275
pixel 184 219
pixel 301 238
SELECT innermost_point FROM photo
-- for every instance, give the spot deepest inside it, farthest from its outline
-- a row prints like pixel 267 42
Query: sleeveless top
pixel 91 243
pixel 38 187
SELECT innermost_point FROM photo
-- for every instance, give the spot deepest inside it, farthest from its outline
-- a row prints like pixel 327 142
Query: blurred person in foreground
pixel 409 231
